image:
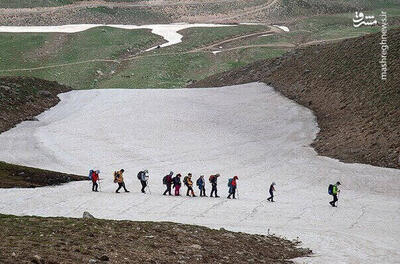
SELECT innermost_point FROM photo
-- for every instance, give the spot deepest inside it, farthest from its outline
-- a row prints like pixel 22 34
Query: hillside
pixel 22 98
pixel 12 176
pixel 51 12
pixel 68 240
pixel 357 112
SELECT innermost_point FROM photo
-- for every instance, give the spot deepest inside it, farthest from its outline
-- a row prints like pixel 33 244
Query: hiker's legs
pixel 335 199
pixel 119 187
pixel 188 189
pixel 271 198
pixel 233 192
pixel 177 188
pixel 143 186
pixel 95 186
pixel 169 189
pixel 123 185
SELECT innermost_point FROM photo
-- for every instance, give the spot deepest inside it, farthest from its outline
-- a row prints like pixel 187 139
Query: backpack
pixel 230 182
pixel 164 180
pixel 330 189
pixel 90 174
pixel 139 175
pixel 185 180
pixel 198 182
pixel 116 176
pixel 211 178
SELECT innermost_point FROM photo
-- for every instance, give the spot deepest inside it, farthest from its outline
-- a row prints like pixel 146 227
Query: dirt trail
pixel 203 49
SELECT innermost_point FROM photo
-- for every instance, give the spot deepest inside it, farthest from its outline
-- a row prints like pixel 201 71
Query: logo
pixel 361 20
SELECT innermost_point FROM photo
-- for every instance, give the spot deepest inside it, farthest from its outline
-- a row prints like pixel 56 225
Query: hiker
pixel 232 184
pixel 201 183
pixel 271 192
pixel 95 178
pixel 143 177
pixel 119 178
pixel 333 190
pixel 177 184
pixel 167 180
pixel 188 182
pixel 213 180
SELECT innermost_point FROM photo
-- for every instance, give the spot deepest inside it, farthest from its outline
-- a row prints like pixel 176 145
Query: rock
pixel 104 258
pixel 5 87
pixel 222 229
pixel 13 254
pixel 196 246
pixel 92 261
pixel 21 173
pixel 37 259
pixel 100 73
pixel 87 215
pixel 44 93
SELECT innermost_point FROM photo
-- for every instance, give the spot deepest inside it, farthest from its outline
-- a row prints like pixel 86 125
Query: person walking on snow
pixel 119 178
pixel 232 187
pixel 213 180
pixel 201 183
pixel 177 183
pixel 143 177
pixel 271 192
pixel 334 192
pixel 167 180
pixel 95 178
pixel 189 184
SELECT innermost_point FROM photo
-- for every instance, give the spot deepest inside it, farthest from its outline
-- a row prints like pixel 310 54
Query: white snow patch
pixel 216 51
pixel 168 31
pixel 284 28
pixel 248 130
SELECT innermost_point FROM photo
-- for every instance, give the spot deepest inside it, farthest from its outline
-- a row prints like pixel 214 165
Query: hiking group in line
pixel 171 182
pixel 176 183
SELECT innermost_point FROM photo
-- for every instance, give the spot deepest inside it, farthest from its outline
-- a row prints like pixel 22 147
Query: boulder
pixel 87 215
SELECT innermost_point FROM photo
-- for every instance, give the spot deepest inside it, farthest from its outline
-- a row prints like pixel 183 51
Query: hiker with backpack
pixel 333 189
pixel 143 177
pixel 177 183
pixel 189 184
pixel 95 179
pixel 201 183
pixel 167 180
pixel 271 192
pixel 213 180
pixel 232 184
pixel 119 178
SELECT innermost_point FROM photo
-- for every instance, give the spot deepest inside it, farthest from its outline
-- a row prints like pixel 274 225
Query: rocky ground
pixel 22 98
pixel 67 240
pixel 148 12
pixel 357 112
pixel 12 176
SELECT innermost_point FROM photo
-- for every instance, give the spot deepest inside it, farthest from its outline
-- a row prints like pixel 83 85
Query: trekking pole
pixel 237 189
pixel 99 185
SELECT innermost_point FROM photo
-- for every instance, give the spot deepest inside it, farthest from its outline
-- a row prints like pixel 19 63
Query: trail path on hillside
pixel 195 50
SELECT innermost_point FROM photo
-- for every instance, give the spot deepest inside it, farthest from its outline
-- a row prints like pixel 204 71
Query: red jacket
pixel 234 182
pixel 95 177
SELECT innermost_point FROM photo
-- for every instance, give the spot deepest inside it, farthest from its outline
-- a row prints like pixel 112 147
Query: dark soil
pixel 26 177
pixel 67 240
pixel 23 98
pixel 357 112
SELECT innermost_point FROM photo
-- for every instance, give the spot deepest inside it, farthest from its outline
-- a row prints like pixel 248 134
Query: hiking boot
pixel 117 191
pixel 127 191
pixel 216 196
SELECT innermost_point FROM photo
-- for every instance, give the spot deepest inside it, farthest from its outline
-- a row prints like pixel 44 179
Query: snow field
pixel 246 130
